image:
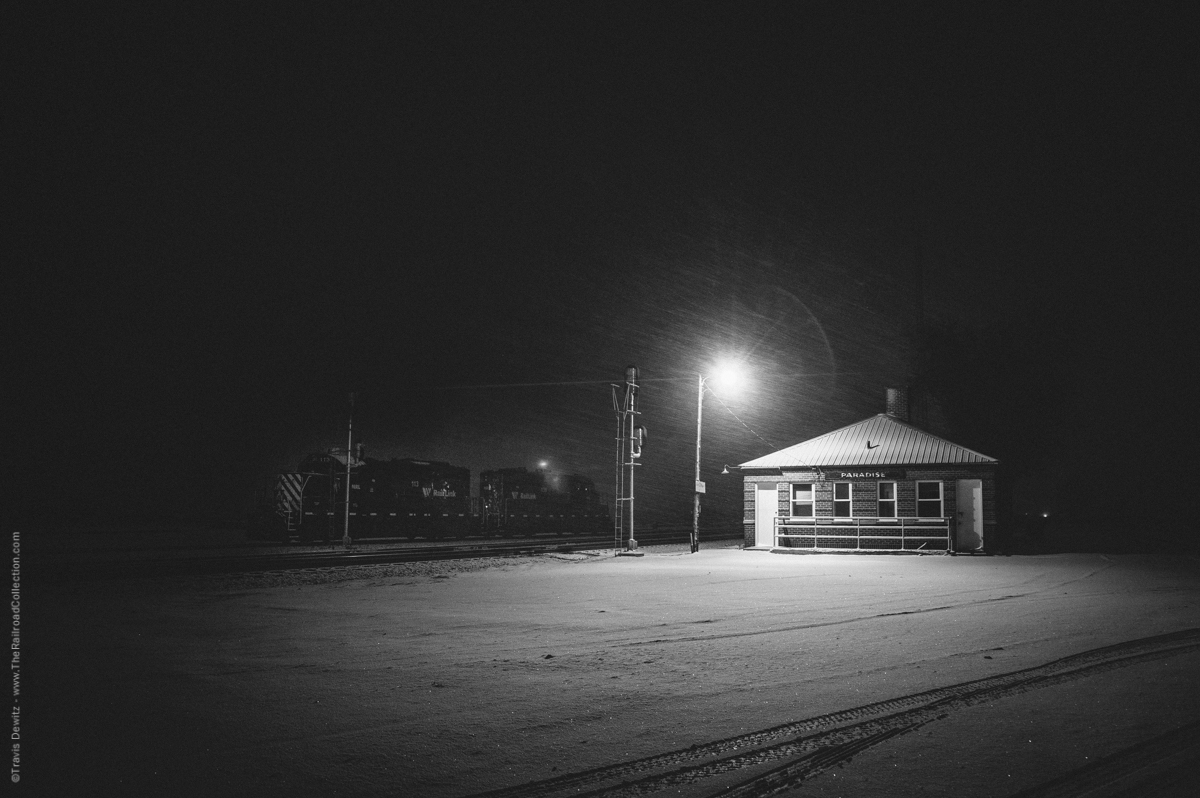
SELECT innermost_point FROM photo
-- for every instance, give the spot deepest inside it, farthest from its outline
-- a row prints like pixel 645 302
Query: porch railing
pixel 864 534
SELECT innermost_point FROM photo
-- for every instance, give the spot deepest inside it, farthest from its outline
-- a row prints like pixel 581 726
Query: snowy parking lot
pixel 673 674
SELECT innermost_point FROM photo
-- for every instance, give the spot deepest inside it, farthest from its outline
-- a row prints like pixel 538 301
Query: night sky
pixel 476 215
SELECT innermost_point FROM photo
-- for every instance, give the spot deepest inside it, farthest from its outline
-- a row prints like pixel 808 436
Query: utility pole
pixel 349 454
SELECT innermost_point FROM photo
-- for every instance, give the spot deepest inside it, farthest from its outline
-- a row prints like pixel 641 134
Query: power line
pixel 743 423
pixel 640 380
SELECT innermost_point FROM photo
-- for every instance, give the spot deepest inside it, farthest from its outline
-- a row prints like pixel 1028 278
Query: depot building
pixel 880 484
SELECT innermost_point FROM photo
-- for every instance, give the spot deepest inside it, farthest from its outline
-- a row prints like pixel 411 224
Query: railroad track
pixel 105 569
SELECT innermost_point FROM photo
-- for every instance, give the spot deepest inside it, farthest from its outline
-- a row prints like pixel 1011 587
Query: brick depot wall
pixel 864 494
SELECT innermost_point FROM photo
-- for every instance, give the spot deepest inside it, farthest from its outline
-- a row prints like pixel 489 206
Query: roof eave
pixel 856 466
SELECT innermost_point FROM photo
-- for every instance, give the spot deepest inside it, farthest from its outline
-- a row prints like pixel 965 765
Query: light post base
pixel 631 550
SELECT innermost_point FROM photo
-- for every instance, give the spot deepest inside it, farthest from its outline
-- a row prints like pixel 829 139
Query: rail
pixel 107 568
pixel 878 534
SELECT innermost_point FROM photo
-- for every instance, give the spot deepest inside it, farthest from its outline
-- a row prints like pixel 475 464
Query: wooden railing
pixel 864 534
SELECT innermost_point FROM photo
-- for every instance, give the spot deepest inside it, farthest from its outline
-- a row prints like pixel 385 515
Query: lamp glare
pixel 727 378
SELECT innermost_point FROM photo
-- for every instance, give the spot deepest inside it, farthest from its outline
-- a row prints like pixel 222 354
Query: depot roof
pixel 877 441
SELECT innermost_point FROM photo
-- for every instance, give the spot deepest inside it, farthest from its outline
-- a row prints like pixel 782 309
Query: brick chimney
pixel 897 403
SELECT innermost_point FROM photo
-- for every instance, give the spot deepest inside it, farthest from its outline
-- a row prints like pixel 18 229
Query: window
pixel 841 500
pixel 929 500
pixel 802 500
pixel 887 500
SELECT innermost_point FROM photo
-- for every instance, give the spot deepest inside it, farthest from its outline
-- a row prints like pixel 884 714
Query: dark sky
pixel 228 219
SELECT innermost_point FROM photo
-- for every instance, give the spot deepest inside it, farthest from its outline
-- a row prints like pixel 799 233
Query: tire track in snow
pixel 839 745
pixel 1152 767
pixel 837 736
pixel 844 621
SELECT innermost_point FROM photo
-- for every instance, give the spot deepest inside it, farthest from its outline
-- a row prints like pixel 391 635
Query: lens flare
pixel 728 378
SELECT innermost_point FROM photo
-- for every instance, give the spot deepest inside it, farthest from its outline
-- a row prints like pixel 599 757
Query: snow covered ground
pixel 452 679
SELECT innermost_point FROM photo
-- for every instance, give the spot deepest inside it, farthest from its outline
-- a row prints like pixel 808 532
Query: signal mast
pixel 630 436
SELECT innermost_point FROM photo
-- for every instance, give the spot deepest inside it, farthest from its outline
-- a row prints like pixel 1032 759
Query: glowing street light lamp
pixel 729 379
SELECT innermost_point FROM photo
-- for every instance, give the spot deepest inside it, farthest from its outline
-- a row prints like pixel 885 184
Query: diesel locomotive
pixel 516 501
pixel 420 498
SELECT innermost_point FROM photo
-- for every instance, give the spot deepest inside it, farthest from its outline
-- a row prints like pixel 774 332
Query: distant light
pixel 543 464
pixel 1045 515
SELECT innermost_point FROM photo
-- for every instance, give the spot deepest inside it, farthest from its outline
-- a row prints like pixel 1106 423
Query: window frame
pixel 848 501
pixel 880 501
pixel 941 498
pixel 811 502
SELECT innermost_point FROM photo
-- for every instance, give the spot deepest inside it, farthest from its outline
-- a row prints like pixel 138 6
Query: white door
pixel 969 536
pixel 766 507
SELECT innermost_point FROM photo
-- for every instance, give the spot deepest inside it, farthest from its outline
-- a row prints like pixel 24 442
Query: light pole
pixel 695 540
pixel 729 375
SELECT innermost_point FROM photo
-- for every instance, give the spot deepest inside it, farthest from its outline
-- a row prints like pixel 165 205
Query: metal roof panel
pixel 879 440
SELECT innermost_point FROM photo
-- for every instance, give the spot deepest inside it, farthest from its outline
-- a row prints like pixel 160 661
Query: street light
pixel 728 377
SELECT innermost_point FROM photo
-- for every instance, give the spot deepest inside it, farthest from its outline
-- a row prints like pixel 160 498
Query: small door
pixel 766 507
pixel 969 535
